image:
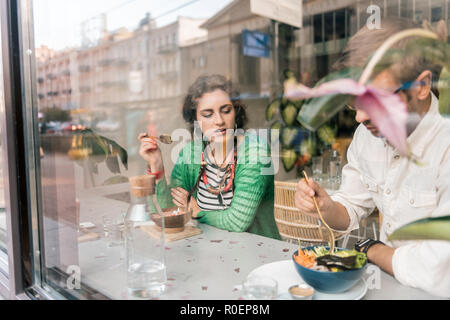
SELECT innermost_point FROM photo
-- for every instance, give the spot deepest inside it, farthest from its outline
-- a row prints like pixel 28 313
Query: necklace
pixel 221 167
pixel 229 171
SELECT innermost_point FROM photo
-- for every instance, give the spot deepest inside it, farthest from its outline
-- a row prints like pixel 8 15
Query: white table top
pixel 210 266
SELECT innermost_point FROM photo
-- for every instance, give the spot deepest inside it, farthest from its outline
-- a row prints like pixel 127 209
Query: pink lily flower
pixel 385 109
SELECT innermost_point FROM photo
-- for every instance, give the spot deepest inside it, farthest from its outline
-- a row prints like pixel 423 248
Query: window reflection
pixel 3 231
pixel 103 84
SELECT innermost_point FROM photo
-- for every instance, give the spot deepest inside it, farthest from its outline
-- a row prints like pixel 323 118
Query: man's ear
pixel 424 89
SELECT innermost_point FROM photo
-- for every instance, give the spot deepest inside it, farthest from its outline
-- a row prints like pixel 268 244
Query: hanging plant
pixel 292 134
pixel 89 149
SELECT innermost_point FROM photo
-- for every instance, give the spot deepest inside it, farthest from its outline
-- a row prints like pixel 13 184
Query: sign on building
pixel 256 44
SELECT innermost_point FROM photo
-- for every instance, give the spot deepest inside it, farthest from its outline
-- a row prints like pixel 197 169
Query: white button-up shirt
pixel 376 176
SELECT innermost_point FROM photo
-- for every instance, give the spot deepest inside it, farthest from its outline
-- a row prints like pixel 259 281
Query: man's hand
pixel 334 213
pixel 304 199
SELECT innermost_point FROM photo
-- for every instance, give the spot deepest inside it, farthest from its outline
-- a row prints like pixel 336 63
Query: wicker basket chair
pixel 292 224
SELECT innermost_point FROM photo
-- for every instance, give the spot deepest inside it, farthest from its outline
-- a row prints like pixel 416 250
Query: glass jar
pixel 146 268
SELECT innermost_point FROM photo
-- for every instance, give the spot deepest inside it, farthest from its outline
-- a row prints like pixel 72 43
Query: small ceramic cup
pixel 301 292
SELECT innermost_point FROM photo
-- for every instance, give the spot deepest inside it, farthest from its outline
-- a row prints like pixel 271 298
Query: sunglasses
pixel 403 87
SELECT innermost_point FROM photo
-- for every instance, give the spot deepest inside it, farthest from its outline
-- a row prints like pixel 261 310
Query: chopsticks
pixel 321 219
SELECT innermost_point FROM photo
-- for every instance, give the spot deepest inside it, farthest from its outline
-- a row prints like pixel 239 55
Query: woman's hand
pixel 193 205
pixel 179 197
pixel 151 153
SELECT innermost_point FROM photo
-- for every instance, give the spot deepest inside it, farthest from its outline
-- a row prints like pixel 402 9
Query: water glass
pixel 260 288
pixel 317 168
pixel 113 228
pixel 334 173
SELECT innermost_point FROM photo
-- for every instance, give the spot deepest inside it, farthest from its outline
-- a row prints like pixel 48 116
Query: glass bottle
pixel 146 268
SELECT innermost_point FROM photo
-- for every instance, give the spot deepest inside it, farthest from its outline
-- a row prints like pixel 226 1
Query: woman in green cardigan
pixel 225 178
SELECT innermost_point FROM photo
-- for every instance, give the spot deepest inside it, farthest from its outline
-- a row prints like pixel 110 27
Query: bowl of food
pixel 174 219
pixel 329 273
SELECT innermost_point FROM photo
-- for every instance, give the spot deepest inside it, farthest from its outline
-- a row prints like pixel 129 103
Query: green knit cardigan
pixel 251 209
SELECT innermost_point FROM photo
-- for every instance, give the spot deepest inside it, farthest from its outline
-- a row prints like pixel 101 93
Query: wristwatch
pixel 364 244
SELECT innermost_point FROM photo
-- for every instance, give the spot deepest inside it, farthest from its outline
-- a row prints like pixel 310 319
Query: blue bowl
pixel 329 282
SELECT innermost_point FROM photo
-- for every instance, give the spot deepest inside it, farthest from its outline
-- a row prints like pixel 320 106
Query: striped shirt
pixel 208 201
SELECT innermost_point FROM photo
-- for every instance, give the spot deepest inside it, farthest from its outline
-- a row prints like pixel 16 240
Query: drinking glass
pixel 335 173
pixel 175 183
pixel 260 288
pixel 113 228
pixel 317 168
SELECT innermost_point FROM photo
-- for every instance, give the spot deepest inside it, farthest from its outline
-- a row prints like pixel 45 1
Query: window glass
pixel 3 183
pixel 128 72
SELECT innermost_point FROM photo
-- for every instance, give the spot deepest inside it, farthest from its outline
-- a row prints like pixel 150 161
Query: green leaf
pixel 424 229
pixel 102 146
pixel 289 158
pixel 92 141
pixel 117 149
pixel 326 134
pixel 272 109
pixel 307 147
pixel 298 104
pixel 317 111
pixel 112 163
pixel 276 125
pixel 289 113
pixel 288 136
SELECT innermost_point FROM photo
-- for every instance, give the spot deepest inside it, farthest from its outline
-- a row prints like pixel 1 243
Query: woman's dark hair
pixel 205 84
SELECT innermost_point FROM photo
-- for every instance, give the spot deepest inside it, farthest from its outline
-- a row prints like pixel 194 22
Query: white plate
pixel 286 275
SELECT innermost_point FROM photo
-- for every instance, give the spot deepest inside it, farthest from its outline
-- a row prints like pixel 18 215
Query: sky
pixel 57 23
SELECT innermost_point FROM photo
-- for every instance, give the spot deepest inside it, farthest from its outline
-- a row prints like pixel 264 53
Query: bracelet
pixel 157 174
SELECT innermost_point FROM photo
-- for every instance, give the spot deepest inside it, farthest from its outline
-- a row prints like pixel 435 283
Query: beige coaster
pixel 88 236
pixel 188 231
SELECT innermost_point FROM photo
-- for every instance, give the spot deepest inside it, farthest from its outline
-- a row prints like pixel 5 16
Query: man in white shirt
pixel 376 176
